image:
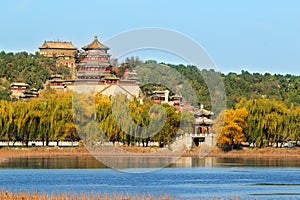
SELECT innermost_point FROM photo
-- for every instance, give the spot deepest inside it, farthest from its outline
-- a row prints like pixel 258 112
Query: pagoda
pixel 203 122
pixel 95 64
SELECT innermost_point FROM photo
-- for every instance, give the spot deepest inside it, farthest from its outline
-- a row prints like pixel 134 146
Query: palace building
pixel 63 53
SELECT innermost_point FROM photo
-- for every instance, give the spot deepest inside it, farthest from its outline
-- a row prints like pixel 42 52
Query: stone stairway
pixel 185 142
pixel 181 143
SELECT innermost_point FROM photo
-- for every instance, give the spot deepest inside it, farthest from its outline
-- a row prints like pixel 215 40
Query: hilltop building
pixel 95 69
pixel 95 64
pixel 96 73
pixel 64 53
pixel 175 100
pixel 130 77
pixel 22 91
pixel 160 96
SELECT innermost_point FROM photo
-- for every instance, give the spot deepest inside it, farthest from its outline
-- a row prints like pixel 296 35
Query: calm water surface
pixel 188 178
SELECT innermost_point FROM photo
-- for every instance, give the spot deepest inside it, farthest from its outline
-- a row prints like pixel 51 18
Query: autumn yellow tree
pixel 229 126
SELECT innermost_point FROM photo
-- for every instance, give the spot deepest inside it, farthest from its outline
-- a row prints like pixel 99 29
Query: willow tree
pixel 170 121
pixel 291 128
pixel 186 121
pixel 266 121
pixel 57 119
pixel 6 120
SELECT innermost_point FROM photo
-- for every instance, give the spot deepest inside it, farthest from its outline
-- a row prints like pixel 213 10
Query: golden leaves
pixel 230 125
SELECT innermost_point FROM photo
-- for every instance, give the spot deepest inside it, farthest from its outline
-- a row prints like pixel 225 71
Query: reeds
pixel 23 195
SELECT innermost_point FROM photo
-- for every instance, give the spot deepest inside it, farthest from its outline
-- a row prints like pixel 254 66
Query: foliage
pixel 244 85
pixel 230 126
pixel 32 69
pixel 270 121
pixel 44 119
pixel 252 86
pixel 64 71
pixel 5 94
pixel 118 119
pixel 272 103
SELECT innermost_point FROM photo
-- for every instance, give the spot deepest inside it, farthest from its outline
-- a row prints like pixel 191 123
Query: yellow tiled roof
pixel 95 45
pixel 57 45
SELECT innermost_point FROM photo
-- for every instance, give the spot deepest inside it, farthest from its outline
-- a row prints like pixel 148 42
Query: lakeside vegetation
pixel 6 195
pixel 263 109
pixel 57 116
pixel 23 195
pixel 263 122
pixel 48 118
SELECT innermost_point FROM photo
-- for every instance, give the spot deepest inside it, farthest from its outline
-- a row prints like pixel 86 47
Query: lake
pixel 187 178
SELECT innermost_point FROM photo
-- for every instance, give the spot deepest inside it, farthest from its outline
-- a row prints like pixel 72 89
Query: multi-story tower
pixel 95 63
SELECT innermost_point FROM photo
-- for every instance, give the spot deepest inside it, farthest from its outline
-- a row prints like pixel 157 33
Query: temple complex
pixel 63 53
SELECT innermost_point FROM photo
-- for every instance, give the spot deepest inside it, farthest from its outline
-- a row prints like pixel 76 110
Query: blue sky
pixel 258 36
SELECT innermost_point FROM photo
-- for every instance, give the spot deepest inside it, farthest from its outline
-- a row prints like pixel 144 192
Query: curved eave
pixel 86 48
pixel 58 48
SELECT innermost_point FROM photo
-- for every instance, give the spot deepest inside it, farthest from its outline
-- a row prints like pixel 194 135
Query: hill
pixel 35 70
pixel 32 69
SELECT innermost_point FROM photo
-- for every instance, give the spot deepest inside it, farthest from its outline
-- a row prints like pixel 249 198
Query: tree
pixel 229 126
pixel 265 121
pixel 5 94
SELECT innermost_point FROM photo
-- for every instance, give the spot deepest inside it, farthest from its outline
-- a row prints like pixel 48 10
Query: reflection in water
pixel 86 162
pixel 69 162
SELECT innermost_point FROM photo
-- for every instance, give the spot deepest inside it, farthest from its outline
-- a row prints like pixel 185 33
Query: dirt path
pixel 215 152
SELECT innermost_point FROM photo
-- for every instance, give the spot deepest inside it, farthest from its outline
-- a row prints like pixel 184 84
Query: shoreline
pixel 267 152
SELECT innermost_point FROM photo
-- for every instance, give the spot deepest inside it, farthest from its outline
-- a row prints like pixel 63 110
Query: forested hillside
pixel 35 69
pixel 32 69
pixel 246 85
